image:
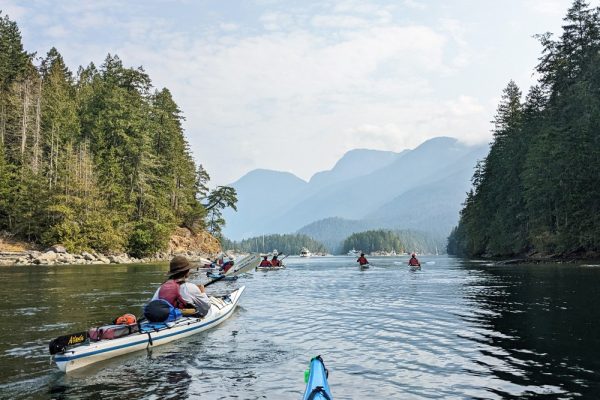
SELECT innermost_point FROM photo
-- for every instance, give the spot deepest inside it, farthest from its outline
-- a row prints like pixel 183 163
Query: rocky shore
pixel 197 247
pixel 59 256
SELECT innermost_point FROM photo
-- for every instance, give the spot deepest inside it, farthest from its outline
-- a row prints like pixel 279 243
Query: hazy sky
pixel 293 85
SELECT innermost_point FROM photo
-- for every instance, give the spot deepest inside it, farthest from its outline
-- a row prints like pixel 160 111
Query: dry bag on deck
pixel 161 311
pixel 111 331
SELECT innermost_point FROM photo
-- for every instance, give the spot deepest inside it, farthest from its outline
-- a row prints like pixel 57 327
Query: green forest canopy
pixel 286 244
pixel 403 241
pixel 95 161
pixel 538 189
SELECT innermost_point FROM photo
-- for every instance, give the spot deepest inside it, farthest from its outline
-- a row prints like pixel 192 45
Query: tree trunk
pixel 38 119
pixel 25 121
pixel 2 121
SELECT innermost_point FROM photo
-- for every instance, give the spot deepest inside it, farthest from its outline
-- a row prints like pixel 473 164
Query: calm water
pixel 455 330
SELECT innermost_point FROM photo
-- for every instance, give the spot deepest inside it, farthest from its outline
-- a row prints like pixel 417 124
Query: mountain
pixel 261 194
pixel 420 189
pixel 353 164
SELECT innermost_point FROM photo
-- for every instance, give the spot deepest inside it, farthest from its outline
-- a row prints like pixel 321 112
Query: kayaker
pixel 275 262
pixel 180 293
pixel 362 259
pixel 227 265
pixel 265 262
pixel 414 262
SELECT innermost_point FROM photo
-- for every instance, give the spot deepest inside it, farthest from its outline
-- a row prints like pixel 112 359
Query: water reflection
pixel 536 329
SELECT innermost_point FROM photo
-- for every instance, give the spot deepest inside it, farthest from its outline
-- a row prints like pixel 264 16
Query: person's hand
pixel 201 287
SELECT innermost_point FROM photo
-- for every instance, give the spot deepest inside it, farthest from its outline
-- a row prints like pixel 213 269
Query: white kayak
pixel 270 268
pixel 92 352
pixel 364 266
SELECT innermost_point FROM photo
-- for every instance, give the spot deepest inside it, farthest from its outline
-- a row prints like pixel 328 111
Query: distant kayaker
pixel 275 262
pixel 182 294
pixel 414 262
pixel 265 262
pixel 227 265
pixel 362 260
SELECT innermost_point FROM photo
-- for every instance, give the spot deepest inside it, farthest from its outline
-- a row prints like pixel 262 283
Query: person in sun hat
pixel 180 293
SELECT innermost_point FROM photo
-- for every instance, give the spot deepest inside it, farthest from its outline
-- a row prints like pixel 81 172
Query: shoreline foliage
pixel 97 160
pixel 538 189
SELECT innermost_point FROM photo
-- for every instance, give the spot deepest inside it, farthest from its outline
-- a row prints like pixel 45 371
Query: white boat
pixel 92 352
pixel 354 253
pixel 305 252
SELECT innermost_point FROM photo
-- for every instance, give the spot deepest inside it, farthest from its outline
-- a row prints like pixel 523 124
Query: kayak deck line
pixel 86 354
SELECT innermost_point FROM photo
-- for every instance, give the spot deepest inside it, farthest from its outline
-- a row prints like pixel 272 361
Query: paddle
pixel 246 264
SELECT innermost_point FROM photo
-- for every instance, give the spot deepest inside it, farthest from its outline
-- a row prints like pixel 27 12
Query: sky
pixel 293 85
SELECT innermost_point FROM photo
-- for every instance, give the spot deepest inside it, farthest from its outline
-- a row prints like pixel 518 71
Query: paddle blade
pixel 245 264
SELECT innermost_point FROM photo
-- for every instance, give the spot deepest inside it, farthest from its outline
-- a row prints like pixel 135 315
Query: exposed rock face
pixel 183 241
pixel 194 246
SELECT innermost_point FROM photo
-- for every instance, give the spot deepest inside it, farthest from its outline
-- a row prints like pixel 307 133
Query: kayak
pixel 221 277
pixel 70 358
pixel 364 266
pixel 270 268
pixel 317 387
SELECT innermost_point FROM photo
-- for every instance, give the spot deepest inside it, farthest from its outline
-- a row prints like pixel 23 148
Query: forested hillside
pixel 335 232
pixel 290 244
pixel 96 160
pixel 538 189
pixel 403 241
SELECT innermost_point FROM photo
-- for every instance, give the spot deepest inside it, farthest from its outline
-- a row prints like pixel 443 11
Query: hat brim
pixel 177 271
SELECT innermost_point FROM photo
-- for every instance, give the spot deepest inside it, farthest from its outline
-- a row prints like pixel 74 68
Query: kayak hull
pixel 94 352
pixel 270 268
pixel 221 277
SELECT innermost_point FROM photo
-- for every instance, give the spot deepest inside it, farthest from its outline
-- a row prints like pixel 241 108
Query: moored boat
pixel 71 358
pixel 305 252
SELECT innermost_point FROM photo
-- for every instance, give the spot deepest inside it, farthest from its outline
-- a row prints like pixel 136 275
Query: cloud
pixel 286 93
pixel 555 8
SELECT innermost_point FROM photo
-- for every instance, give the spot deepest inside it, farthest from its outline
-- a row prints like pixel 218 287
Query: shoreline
pixel 53 257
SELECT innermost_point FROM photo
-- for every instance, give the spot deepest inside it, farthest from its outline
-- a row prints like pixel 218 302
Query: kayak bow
pixel 317 387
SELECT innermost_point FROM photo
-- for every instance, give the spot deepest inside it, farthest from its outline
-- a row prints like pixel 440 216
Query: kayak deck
pixel 149 336
pixel 317 387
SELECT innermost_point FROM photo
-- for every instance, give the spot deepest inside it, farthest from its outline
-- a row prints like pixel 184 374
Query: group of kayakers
pixel 181 294
pixel 274 262
pixel 413 262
